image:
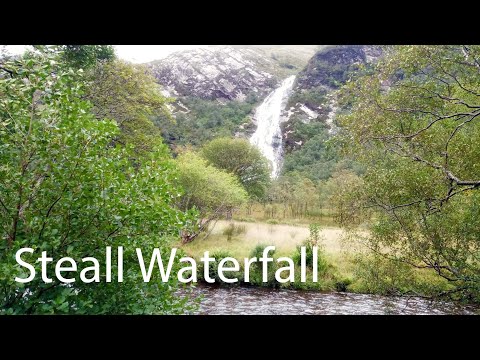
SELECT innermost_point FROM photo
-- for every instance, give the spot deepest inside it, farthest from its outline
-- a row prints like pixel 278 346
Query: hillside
pixel 218 88
pixel 228 72
pixel 313 98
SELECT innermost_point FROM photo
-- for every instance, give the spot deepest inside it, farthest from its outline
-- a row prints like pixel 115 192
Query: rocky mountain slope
pixel 227 72
pixel 218 90
pixel 313 96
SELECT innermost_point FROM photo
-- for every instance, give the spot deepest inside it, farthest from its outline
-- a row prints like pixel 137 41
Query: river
pixel 238 300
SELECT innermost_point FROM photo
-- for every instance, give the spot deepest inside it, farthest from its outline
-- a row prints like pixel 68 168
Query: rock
pixel 221 72
pixel 313 97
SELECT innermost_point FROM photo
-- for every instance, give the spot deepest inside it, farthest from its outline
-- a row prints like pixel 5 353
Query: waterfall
pixel 268 116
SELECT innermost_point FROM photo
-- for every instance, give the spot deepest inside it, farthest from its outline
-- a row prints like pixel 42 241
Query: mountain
pixel 313 95
pixel 218 90
pixel 228 72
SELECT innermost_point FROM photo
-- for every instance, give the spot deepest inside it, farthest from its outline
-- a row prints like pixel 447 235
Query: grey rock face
pixel 313 97
pixel 217 73
pixel 330 67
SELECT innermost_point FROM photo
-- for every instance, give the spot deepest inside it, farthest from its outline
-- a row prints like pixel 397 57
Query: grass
pixel 239 238
pixel 258 213
pixel 284 237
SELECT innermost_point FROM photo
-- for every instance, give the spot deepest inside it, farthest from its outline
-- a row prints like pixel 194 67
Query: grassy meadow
pixel 348 266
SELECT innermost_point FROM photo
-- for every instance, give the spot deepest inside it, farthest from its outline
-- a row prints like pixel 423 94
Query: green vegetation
pixel 409 198
pixel 65 189
pixel 210 191
pixel 314 239
pixel 244 248
pixel 129 95
pixel 414 126
pixel 199 121
pixel 313 97
pixel 79 56
pixel 83 166
pixel 233 229
pixel 315 159
pixel 239 157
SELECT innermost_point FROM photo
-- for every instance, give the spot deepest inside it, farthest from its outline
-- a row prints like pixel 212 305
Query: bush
pixel 234 229
pixel 213 269
pixel 256 273
pixel 342 284
pixel 272 222
pixel 378 275
pixel 315 236
pixel 56 156
pixel 322 264
pixel 257 251
pixel 314 239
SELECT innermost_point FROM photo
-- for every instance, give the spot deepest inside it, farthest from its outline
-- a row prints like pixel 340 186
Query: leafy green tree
pixel 414 125
pixel 340 193
pixel 211 191
pixel 129 95
pixel 80 56
pixel 297 194
pixel 65 190
pixel 242 159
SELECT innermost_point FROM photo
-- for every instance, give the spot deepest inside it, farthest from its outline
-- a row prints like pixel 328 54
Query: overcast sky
pixel 133 53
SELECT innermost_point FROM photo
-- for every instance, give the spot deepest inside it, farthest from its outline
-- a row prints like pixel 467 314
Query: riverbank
pixel 344 267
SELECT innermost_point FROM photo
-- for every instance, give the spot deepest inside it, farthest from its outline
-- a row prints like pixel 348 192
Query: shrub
pixel 272 222
pixel 313 240
pixel 67 191
pixel 246 219
pixel 234 229
pixel 322 264
pixel 378 275
pixel 256 273
pixel 213 268
pixel 342 284
pixel 257 251
pixel 315 237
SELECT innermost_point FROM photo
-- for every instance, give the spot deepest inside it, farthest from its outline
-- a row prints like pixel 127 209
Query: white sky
pixel 133 53
pixel 145 53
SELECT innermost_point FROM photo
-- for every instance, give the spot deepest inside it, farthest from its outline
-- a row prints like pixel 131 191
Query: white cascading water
pixel 268 136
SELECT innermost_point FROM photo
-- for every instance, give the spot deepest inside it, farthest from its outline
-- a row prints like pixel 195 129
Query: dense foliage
pixel 198 121
pixel 211 191
pixel 80 56
pixel 129 95
pixel 245 161
pixel 414 125
pixel 67 190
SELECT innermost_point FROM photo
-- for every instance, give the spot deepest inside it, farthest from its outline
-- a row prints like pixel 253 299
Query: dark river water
pixel 253 300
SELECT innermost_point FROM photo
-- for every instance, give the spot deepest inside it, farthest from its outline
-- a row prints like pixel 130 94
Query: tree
pixel 242 159
pixel 414 125
pixel 129 95
pixel 340 192
pixel 211 191
pixel 80 56
pixel 198 121
pixel 65 190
